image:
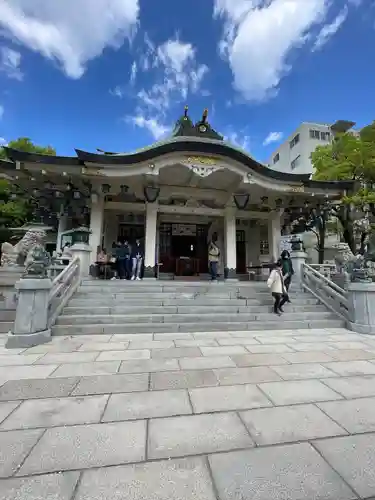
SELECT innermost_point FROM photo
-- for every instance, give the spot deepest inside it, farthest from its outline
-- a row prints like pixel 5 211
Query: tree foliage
pixel 349 157
pixel 14 211
pixel 25 144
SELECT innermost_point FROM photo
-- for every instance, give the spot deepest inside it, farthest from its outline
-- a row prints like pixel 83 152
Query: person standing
pixel 276 283
pixel 287 269
pixel 213 257
pixel 122 259
pixel 137 256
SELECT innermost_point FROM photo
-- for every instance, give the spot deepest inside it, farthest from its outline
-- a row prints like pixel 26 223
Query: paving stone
pixel 356 415
pixel 289 424
pixel 124 355
pixel 71 357
pixel 183 379
pixel 196 343
pixel 349 345
pixel 111 384
pixel 258 359
pixel 351 354
pixel 121 337
pixel 293 472
pixel 300 371
pixel 6 409
pixel 102 338
pixel 103 346
pixel 177 352
pixel 87 369
pixel 53 412
pixel 86 446
pixel 269 349
pixel 347 368
pixel 195 435
pixel 233 397
pixel 49 486
pixel 14 448
pixel 56 347
pixel 206 362
pixel 139 405
pixel 151 344
pixel 223 350
pixel 279 339
pixel 238 341
pixel 312 346
pixel 4 351
pixel 174 336
pixel 149 365
pixel 252 375
pixel 19 359
pixel 353 387
pixel 301 391
pixel 212 335
pixel 353 457
pixel 184 479
pixel 309 357
pixel 37 389
pixel 26 372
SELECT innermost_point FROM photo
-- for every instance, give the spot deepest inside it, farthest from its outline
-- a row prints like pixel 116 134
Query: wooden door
pixel 241 251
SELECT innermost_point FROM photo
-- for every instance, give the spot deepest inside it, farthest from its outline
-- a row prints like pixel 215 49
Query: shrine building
pixel 174 194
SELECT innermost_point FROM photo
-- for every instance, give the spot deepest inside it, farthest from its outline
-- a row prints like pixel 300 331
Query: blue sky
pixel 116 74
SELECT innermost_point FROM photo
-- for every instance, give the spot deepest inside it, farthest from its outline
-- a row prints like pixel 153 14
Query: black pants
pixel 287 282
pixel 280 300
pixel 122 266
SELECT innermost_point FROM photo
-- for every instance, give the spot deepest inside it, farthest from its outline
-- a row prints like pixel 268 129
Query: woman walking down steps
pixel 278 290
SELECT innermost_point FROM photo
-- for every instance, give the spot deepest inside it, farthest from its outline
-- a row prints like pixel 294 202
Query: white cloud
pixel 133 73
pixel 331 29
pixel 156 128
pixel 10 62
pixel 238 139
pixel 272 137
pixel 3 142
pixel 1 111
pixel 259 36
pixel 71 32
pixel 177 74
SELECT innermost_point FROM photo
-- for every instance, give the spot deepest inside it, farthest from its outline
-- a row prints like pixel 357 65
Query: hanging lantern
pixel 106 188
pixel 241 200
pixel 124 189
pixel 151 193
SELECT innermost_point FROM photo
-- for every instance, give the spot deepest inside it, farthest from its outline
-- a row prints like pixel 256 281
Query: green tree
pixel 25 144
pixel 350 157
pixel 15 208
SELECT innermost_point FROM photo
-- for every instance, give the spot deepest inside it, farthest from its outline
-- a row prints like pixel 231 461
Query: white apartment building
pixel 293 155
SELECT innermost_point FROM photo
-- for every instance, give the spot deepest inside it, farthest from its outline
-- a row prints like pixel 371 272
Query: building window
pixel 294 141
pixel 295 162
pixel 276 158
pixel 325 136
pixel 314 134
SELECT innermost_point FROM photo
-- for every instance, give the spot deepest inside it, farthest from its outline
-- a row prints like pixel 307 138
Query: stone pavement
pixel 228 416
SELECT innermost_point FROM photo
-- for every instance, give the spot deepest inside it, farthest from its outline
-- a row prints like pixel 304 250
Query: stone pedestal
pixel 8 294
pixel 83 251
pixel 31 324
pixel 298 258
pixel 362 307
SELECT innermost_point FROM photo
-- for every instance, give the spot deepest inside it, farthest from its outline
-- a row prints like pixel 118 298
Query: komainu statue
pixel 15 255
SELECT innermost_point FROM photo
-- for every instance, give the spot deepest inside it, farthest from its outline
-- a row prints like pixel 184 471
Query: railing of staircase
pixel 63 287
pixel 326 291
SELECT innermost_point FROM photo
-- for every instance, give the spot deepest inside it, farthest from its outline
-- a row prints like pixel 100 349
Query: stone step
pixel 119 319
pixel 7 315
pixel 145 296
pixel 5 326
pixel 185 309
pixel 273 323
pixel 90 303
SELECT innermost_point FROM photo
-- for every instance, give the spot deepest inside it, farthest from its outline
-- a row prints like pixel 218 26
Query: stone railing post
pixel 31 324
pixel 83 252
pixel 298 259
pixel 361 298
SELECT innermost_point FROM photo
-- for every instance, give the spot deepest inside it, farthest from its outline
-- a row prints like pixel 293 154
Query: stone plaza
pixel 260 415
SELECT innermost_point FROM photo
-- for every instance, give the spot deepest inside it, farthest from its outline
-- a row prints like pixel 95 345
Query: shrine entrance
pixel 183 248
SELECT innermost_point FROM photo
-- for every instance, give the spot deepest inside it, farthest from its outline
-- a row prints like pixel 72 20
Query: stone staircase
pixel 6 320
pixel 109 307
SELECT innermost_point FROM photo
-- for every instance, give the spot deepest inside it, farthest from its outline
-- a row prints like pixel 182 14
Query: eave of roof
pixel 22 156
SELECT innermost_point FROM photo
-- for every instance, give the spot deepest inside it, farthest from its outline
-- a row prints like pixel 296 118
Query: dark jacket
pixel 137 250
pixel 287 267
pixel 123 252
